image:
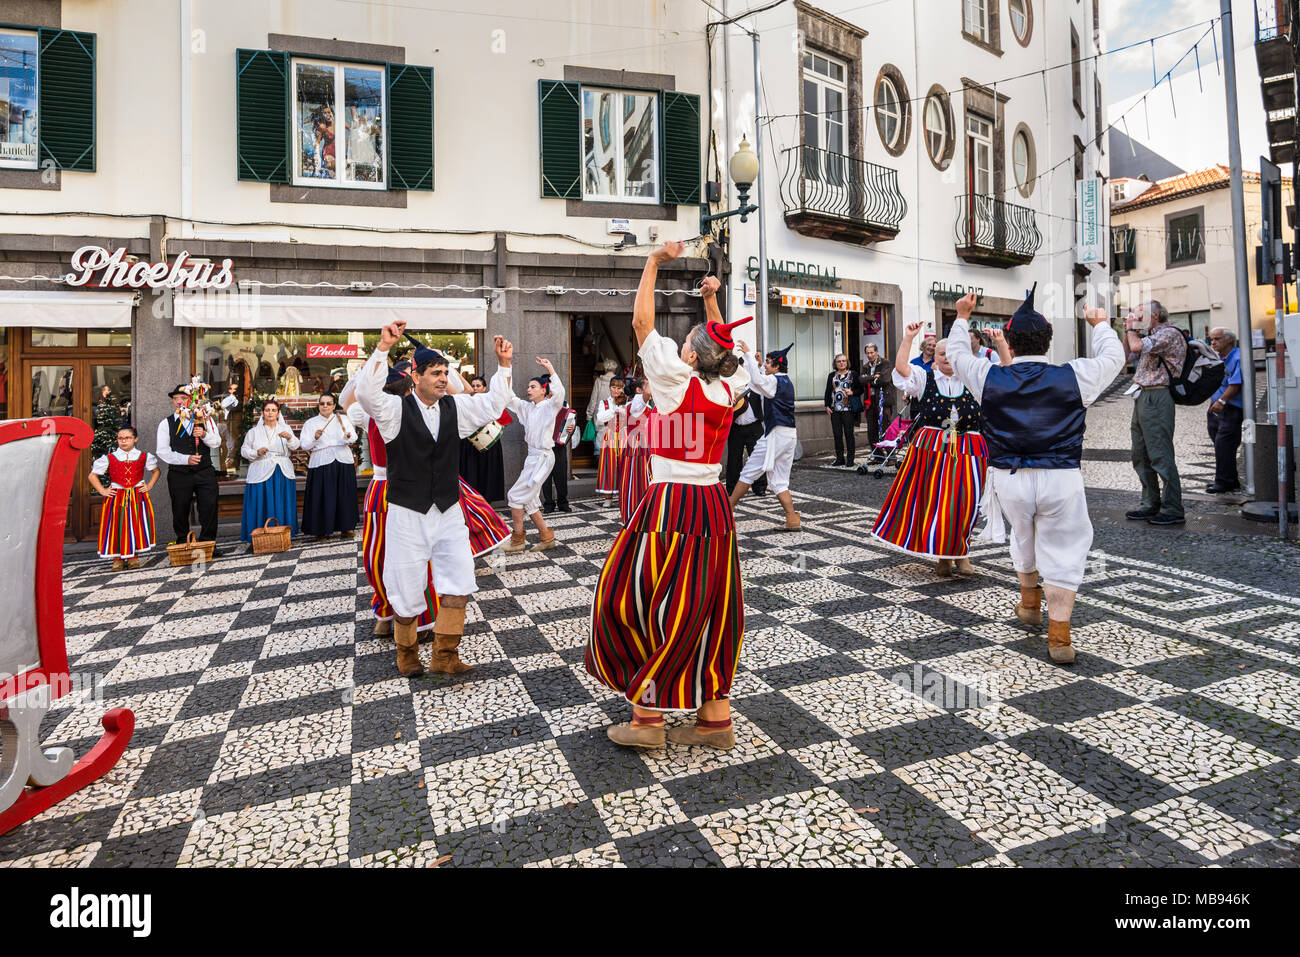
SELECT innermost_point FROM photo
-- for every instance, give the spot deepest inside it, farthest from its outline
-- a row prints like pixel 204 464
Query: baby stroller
pixel 888 452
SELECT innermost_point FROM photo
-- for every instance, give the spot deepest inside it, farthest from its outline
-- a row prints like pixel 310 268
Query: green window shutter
pixel 66 110
pixel 410 126
pixel 559 113
pixel 681 147
pixel 262 115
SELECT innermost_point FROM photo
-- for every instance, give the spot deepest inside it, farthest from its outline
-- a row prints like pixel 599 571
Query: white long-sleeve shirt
pixel 759 380
pixel 914 385
pixel 538 418
pixel 100 465
pixel 472 411
pixel 277 451
pixel 335 443
pixel 599 393
pixel 211 438
pixel 1093 374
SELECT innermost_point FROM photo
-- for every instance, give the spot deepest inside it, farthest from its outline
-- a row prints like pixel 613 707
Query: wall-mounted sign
pixel 941 292
pixel 751 294
pixel 803 275
pixel 340 350
pixel 1091 238
pixel 617 227
pixel 120 273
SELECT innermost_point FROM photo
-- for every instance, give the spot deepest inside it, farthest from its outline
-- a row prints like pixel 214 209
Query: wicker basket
pixel 190 551
pixel 271 537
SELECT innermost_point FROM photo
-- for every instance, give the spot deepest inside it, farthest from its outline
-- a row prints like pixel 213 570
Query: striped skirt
pixel 611 458
pixel 487 529
pixel 125 524
pixel 634 482
pixel 933 504
pixel 372 557
pixel 668 616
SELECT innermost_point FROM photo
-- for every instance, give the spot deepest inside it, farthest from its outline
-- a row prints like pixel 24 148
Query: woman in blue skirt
pixel 329 503
pixel 269 490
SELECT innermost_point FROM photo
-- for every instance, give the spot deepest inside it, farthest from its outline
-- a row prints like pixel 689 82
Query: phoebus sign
pixel 118 273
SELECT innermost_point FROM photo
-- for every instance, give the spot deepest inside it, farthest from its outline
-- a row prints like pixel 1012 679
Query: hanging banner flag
pixel 1091 239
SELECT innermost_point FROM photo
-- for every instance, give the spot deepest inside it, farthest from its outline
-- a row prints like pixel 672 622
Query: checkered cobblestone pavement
pixel 882 716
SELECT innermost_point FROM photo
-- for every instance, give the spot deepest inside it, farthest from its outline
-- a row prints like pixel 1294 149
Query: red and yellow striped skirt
pixel 372 557
pixel 668 616
pixel 487 529
pixel 932 507
pixel 611 456
pixel 126 524
pixel 634 482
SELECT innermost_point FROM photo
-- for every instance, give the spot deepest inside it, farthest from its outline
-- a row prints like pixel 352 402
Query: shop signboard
pixel 118 270
pixel 341 350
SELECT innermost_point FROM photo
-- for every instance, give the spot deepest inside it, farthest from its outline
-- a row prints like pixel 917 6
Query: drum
pixel 489 435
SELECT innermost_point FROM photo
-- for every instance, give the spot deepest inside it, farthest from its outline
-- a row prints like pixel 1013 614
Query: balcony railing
pixel 836 196
pixel 993 232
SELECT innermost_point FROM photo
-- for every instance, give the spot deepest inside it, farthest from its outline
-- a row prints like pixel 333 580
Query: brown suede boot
pixel 639 735
pixel 133 563
pixel 516 543
pixel 964 567
pixel 447 630
pixel 383 627
pixel 1058 642
pixel 408 648
pixel 1030 608
pixel 119 564
pixel 544 544
pixel 709 734
pixel 944 568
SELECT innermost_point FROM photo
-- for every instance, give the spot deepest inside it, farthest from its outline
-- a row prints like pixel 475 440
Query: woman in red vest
pixel 126 520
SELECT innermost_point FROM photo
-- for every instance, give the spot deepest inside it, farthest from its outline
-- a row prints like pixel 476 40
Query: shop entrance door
pixel 74 387
pixel 592 341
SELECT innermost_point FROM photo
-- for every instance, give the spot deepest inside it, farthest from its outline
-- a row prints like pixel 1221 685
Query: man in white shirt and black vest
pixel 186 446
pixel 422 433
pixel 773 456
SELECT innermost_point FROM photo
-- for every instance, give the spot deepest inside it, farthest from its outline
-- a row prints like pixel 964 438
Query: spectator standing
pixel 879 399
pixel 1226 413
pixel 1160 352
pixel 843 402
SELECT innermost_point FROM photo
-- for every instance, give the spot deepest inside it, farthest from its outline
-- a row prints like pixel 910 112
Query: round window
pixel 889 113
pixel 1021 18
pixel 1023 162
pixel 936 129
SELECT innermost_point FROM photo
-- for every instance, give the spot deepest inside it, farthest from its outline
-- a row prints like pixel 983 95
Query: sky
pixel 1190 130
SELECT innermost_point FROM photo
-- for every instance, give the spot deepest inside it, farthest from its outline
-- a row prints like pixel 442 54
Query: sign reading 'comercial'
pixel 804 275
pixel 118 272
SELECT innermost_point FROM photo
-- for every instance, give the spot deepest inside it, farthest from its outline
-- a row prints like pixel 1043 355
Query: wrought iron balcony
pixel 834 196
pixel 993 232
pixel 1277 67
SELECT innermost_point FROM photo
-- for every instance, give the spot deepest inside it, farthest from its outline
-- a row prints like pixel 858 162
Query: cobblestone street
pixel 883 716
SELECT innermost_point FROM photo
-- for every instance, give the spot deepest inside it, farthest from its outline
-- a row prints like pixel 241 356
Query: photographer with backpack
pixel 1160 348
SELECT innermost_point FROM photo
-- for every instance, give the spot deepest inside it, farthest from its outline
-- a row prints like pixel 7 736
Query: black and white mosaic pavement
pixel 883 717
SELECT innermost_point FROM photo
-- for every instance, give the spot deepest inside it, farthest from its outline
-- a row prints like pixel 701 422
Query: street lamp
pixel 743 167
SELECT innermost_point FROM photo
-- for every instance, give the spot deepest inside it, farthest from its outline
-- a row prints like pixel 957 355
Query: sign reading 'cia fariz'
pixel 118 273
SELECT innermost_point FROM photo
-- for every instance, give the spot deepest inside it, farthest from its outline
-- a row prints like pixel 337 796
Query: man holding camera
pixel 1160 349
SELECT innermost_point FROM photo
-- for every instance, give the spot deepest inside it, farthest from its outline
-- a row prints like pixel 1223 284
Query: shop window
pixel 54 338
pixel 296 368
pixel 620 146
pixel 817 336
pixel 338 124
pixel 47 81
pixel 108 337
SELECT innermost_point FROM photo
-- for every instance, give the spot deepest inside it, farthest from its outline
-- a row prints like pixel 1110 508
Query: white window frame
pixel 35 162
pixel 340 123
pixel 979 136
pixel 1021 34
pixel 1022 179
pixel 933 102
pixel 620 180
pixel 975 17
pixel 895 117
pixel 823 81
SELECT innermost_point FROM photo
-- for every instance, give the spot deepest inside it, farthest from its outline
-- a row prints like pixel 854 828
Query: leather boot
pixel 516 543
pixel 544 544
pixel 639 735
pixel 1058 642
pixel 964 567
pixel 408 648
pixel 1030 608
pixel 944 568
pixel 722 736
pixel 119 564
pixel 133 563
pixel 792 523
pixel 383 627
pixel 447 630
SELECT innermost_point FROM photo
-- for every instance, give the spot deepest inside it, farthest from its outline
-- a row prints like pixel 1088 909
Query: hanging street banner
pixel 1091 239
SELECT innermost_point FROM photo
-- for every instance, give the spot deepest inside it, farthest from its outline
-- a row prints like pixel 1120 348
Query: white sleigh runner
pixel 38 459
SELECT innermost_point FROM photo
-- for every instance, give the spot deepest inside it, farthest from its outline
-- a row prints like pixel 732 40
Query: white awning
pixel 250 310
pixel 817 299
pixel 67 309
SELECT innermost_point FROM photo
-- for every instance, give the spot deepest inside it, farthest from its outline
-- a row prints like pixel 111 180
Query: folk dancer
pixel 329 502
pixel 270 490
pixel 536 413
pixel 126 525
pixel 185 445
pixel 933 504
pixel 1034 420
pixel 425 522
pixel 667 620
pixel 611 424
pixel 635 477
pixel 483 470
pixel 773 456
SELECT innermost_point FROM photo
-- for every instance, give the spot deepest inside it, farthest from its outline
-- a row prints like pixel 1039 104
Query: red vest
pixel 695 431
pixel 126 474
pixel 378 452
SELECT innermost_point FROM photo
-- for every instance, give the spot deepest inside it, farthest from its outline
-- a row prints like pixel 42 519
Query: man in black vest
pixel 746 430
pixel 186 446
pixel 422 433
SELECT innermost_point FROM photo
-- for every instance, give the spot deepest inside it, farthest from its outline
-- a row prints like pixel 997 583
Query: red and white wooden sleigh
pixel 38 461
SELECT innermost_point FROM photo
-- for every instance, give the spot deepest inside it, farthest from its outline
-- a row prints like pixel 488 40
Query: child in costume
pixel 545 398
pixel 611 423
pixel 773 456
pixel 635 477
pixel 126 520
pixel 667 620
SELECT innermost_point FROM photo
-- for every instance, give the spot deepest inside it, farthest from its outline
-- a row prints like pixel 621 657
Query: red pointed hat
pixel 720 332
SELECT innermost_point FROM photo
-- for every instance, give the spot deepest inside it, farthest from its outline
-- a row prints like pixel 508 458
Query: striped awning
pixel 814 299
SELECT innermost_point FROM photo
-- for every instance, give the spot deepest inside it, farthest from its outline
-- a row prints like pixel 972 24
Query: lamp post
pixel 743 167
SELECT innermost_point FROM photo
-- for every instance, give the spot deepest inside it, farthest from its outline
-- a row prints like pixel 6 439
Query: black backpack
pixel 1201 375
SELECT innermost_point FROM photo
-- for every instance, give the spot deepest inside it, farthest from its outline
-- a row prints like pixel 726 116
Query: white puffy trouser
pixel 526 493
pixel 1048 513
pixel 773 454
pixel 411 542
